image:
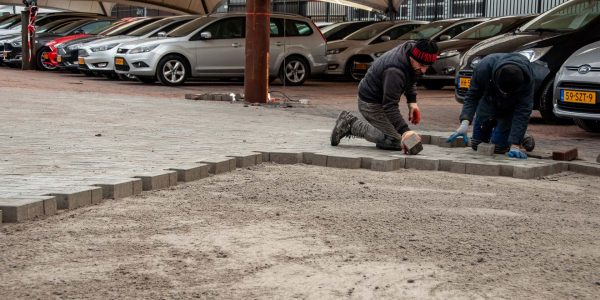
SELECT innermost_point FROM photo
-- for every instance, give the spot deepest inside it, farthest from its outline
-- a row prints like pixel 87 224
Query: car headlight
pixel 336 51
pixel 447 54
pixel 143 49
pixel 475 61
pixel 18 43
pixel 104 48
pixel 534 54
pixel 75 47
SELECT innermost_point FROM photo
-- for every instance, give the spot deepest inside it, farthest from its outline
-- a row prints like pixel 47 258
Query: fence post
pixel 484 8
pixel 539 8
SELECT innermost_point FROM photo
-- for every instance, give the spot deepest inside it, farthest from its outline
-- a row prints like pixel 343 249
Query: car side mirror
pixel 205 35
pixel 445 37
pixel 162 34
pixel 385 38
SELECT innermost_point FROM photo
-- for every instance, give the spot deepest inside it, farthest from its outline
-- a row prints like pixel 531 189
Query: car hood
pixel 111 40
pixel 511 42
pixel 146 42
pixel 461 45
pixel 65 39
pixel 83 40
pixel 588 55
pixel 9 31
pixel 344 44
pixel 381 47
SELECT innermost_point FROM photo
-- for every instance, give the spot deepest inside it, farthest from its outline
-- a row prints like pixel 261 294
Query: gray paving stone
pixel 365 162
pixel 97 194
pixel 219 165
pixel 506 170
pixel 343 162
pixel 543 170
pixel 244 161
pixel 21 209
pixel 452 166
pixel 265 156
pixel 486 149
pixel 315 159
pixel 49 203
pixel 71 198
pixel 286 158
pixel 118 188
pixel 585 168
pixel 192 172
pixel 157 180
pixel 258 158
pixel 137 187
pixel 387 165
pixel 422 163
pixel 0 217
pixel 559 168
pixel 523 172
pixel 598 158
pixel 425 138
pixel 482 169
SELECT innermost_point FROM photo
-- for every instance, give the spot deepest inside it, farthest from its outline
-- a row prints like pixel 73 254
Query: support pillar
pixel 26 63
pixel 256 73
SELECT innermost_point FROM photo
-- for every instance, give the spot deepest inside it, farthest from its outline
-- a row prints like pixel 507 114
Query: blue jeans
pixel 488 128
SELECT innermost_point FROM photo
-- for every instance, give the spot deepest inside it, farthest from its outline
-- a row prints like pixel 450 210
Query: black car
pixel 443 71
pixel 547 40
pixel 341 30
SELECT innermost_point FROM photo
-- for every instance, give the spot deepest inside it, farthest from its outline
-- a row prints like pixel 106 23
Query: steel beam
pixel 256 74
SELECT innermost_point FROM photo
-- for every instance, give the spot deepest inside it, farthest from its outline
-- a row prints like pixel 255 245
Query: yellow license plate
pixel 574 96
pixel 81 61
pixel 119 61
pixel 464 83
pixel 59 58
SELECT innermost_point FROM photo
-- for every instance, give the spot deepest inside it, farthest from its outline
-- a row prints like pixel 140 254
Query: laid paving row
pixel 68 150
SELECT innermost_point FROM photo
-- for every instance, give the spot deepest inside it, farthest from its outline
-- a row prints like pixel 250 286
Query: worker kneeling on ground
pixel 391 75
pixel 501 98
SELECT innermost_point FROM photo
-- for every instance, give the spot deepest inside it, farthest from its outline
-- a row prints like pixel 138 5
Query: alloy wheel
pixel 174 71
pixel 295 71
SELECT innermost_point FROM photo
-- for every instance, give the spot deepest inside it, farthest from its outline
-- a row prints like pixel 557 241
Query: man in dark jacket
pixel 390 76
pixel 501 97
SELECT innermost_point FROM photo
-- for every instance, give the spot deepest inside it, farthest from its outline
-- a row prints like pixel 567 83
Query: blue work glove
pixel 515 152
pixel 461 131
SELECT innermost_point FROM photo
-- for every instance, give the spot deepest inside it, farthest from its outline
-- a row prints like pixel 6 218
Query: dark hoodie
pixel 390 76
pixel 519 104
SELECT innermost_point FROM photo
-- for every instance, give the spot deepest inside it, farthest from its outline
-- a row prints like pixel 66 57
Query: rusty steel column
pixel 256 74
pixel 26 64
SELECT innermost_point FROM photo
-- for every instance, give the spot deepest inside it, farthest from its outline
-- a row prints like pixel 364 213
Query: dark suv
pixel 547 40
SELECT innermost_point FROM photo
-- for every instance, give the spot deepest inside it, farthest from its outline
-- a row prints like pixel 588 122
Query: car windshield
pixel 9 22
pixel 189 27
pixel 150 27
pixel 487 29
pixel 369 32
pixel 100 29
pixel 425 32
pixel 129 27
pixel 68 27
pixel 570 16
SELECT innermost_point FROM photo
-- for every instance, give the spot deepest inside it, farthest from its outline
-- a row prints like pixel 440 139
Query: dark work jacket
pixel 390 76
pixel 483 96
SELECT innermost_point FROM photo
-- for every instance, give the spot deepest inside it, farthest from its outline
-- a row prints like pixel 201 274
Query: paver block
pixel 598 158
pixel 584 168
pixel 559 168
pixel 486 149
pixel 21 209
pixel 507 170
pixel 137 186
pixel 482 169
pixel 193 96
pixel 314 159
pixel 158 180
pixel 387 165
pixel 118 188
pixel 565 155
pixel 49 203
pixel 539 155
pixel 457 143
pixel 96 193
pixel 365 162
pixel 265 156
pixel 258 158
pixel 220 165
pixel 422 163
pixel 523 172
pixel 343 162
pixel 425 138
pixel 544 170
pixel 285 158
pixel 244 161
pixel 0 217
pixel 192 172
pixel 71 198
pixel 412 142
pixel 452 166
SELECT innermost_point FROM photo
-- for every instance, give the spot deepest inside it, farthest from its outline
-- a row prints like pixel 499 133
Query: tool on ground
pixel 411 143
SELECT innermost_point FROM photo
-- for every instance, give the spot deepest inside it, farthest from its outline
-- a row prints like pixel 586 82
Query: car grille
pixel 463 73
pixel 121 51
pixel 572 68
pixel 8 47
pixel 580 107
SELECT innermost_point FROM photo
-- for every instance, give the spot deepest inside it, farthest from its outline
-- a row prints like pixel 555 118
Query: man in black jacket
pixel 391 75
pixel 501 96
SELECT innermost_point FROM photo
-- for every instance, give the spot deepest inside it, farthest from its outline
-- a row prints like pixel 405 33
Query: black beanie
pixel 425 52
pixel 509 78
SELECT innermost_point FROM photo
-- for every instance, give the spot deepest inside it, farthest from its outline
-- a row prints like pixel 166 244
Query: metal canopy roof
pixel 199 7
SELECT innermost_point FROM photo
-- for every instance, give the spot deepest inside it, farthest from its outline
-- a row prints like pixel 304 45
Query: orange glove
pixel 414 114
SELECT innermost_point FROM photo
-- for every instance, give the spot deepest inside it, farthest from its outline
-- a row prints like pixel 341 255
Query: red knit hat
pixel 425 52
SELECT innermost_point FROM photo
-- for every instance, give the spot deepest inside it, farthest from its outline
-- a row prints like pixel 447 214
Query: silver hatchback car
pixel 577 87
pixel 214 47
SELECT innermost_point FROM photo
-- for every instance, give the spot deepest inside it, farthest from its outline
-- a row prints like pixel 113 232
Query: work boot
pixel 342 127
pixel 528 143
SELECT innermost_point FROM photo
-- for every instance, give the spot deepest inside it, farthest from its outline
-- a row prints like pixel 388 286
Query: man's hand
pixel 461 131
pixel 516 152
pixel 414 114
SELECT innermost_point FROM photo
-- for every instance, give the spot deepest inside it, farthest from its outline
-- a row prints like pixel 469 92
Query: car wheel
pixel 588 125
pixel 348 71
pixel 294 71
pixel 173 70
pixel 433 85
pixel 546 105
pixel 111 76
pixel 42 63
pixel 146 79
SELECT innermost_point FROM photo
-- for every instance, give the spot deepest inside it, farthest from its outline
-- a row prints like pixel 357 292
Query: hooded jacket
pixel 484 98
pixel 387 79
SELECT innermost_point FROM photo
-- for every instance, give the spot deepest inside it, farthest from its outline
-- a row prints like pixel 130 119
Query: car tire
pixel 111 76
pixel 146 79
pixel 546 105
pixel 40 61
pixel 172 70
pixel 433 85
pixel 348 71
pixel 294 71
pixel 588 125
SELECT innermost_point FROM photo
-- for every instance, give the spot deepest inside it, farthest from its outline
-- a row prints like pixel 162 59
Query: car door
pixel 223 53
pixel 277 43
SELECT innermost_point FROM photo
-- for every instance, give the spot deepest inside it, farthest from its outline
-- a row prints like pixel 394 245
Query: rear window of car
pixel 279 28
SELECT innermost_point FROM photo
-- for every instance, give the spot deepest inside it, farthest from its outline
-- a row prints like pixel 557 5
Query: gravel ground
pixel 274 231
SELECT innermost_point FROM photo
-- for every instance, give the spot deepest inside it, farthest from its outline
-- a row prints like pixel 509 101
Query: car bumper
pixel 576 110
pixel 336 65
pixel 142 64
pixel 101 62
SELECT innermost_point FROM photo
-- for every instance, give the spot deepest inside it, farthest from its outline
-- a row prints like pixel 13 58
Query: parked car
pixel 43 19
pixel 547 40
pixel 341 30
pixel 438 31
pixel 101 53
pixel 341 54
pixel 577 86
pixel 214 46
pixel 443 71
